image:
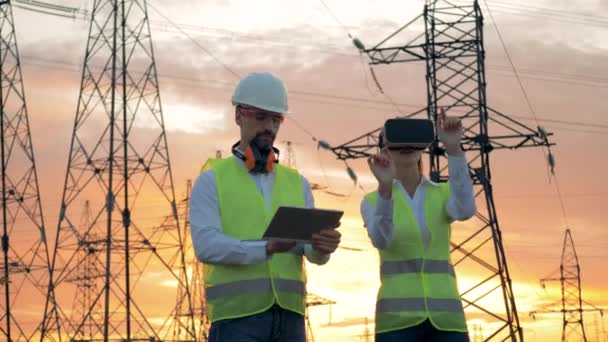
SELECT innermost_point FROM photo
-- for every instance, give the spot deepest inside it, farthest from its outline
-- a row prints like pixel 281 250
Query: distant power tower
pixel 367 332
pixel 191 274
pixel 573 328
pixel 291 155
pixel 452 48
pixel 477 333
pixel 315 300
pixel 87 280
pixel 119 160
pixel 25 266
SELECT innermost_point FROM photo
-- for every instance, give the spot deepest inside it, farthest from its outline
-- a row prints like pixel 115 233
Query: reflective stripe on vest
pixel 415 265
pixel 255 286
pixel 417 304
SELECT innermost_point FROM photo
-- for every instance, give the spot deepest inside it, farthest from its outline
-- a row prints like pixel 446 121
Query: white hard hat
pixel 261 90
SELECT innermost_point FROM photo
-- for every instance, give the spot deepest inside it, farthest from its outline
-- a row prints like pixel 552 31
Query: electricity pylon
pixel 25 263
pixel 452 48
pixel 315 300
pixel 192 274
pixel 119 160
pixel 87 281
pixel 573 328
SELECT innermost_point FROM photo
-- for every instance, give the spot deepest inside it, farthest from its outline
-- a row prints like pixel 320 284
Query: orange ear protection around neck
pixel 256 159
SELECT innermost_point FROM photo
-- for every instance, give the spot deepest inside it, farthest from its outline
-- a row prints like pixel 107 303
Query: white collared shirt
pixel 461 205
pixel 212 246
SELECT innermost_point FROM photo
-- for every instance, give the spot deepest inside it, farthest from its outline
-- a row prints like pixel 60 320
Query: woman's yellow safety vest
pixel 418 283
pixel 233 291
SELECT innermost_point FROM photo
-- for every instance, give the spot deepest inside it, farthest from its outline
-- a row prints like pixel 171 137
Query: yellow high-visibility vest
pixel 234 291
pixel 418 283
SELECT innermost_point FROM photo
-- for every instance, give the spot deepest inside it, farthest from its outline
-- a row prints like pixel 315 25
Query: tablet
pixel 299 224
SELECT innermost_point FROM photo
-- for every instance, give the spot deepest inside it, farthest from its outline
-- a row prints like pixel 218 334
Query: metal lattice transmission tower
pixel 192 274
pixel 367 334
pixel 87 281
pixel 452 48
pixel 573 327
pixel 477 333
pixel 291 155
pixel 119 160
pixel 313 300
pixel 24 277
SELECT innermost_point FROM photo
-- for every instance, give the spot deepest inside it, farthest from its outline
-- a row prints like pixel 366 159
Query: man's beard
pixel 262 142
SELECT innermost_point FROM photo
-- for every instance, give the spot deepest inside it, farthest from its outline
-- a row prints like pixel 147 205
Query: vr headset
pixel 416 134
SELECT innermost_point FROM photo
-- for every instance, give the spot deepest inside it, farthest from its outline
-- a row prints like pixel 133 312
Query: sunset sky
pixel 559 48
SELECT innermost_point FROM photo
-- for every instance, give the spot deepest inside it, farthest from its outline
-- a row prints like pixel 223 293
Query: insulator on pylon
pixel 358 44
pixel 543 132
pixel 323 144
pixel 551 160
pixel 351 174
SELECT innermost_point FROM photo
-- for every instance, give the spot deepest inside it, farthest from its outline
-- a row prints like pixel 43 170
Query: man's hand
pixel 277 246
pixel 326 241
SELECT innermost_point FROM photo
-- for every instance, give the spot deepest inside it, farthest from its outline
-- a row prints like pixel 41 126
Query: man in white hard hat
pixel 255 290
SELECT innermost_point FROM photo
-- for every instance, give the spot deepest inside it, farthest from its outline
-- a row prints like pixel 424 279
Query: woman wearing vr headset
pixel 408 220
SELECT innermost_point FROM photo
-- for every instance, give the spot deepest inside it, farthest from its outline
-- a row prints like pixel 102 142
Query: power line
pixel 52 64
pixel 565 122
pixel 195 42
pixel 528 7
pixel 48 8
pixel 276 43
pixel 549 13
pixel 289 44
pixel 301 92
pixel 508 55
pixel 222 64
pixel 561 129
pixel 558 75
pixel 573 195
pixel 389 98
pixel 588 83
pixel 293 119
pixel 336 18
pixel 552 14
pixel 297 123
pixel 531 108
pixel 230 70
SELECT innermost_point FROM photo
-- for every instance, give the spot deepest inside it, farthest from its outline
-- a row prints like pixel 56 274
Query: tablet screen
pixel 299 224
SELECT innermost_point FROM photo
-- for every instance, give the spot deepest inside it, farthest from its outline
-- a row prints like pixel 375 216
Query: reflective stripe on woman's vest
pixel 235 291
pixel 418 283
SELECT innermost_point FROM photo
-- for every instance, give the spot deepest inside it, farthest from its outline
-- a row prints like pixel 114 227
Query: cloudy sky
pixel 558 47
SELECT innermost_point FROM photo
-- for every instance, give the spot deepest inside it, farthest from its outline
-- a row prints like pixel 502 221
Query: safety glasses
pixel 261 115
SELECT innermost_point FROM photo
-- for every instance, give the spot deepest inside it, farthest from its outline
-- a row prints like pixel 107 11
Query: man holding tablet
pixel 255 289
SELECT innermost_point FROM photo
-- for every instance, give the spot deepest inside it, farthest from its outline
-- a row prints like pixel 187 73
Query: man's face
pixel 258 125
